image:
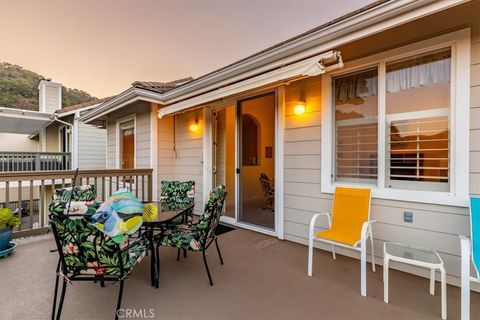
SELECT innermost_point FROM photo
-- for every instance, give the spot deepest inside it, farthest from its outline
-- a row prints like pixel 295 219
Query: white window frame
pixel 118 137
pixel 459 41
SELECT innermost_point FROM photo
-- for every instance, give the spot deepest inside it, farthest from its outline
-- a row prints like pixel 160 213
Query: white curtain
pixel 360 85
pixel 421 71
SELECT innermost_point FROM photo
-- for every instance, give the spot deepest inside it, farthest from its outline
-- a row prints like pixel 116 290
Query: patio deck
pixel 263 278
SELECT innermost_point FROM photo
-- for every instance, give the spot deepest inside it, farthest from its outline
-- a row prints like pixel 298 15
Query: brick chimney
pixel 49 96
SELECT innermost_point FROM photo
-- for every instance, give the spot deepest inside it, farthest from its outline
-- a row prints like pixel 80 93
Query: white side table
pixel 415 256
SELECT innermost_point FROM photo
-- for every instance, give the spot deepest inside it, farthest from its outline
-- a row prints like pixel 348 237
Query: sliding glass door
pixel 243 156
pixel 256 160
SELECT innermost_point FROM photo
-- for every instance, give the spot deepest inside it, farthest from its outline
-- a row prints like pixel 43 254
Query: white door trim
pixel 119 121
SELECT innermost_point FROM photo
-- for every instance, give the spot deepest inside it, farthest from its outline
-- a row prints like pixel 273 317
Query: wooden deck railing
pixel 34 161
pixel 32 191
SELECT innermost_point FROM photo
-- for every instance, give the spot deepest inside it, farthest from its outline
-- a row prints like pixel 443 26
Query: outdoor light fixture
pixel 194 126
pixel 299 108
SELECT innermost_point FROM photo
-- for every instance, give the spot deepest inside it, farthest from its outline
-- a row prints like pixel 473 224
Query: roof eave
pixel 375 19
pixel 128 96
pixel 374 15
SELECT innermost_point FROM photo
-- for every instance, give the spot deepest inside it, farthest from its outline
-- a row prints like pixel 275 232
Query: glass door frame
pixel 277 231
pixel 238 156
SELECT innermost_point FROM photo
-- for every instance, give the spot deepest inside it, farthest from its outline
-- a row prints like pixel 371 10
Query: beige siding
pixel 475 110
pixel 142 134
pixel 165 152
pixel 17 143
pixel 52 138
pixel 91 147
pixel 434 226
pixel 180 156
pixel 51 97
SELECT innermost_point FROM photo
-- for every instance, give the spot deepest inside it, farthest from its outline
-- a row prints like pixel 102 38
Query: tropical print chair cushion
pixel 177 191
pixel 195 236
pixel 79 193
pixel 119 216
pixel 86 250
pixel 173 193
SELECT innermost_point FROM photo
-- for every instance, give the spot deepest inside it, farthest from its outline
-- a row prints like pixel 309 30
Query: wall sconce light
pixel 299 108
pixel 194 126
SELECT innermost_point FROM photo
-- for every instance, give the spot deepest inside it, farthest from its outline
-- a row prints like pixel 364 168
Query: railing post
pixel 150 185
pixel 37 162
pixel 38 201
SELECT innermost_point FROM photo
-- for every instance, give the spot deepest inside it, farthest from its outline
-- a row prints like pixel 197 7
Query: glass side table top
pixel 405 251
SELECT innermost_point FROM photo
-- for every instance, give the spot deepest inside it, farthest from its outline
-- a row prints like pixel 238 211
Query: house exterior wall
pixel 434 226
pixel 91 147
pixel 142 134
pixel 17 143
pixel 52 138
pixel 180 156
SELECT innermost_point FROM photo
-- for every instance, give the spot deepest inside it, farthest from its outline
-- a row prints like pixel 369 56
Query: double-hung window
pixel 394 123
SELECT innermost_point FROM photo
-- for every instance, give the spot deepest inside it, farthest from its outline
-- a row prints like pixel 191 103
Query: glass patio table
pixel 166 214
pixel 416 256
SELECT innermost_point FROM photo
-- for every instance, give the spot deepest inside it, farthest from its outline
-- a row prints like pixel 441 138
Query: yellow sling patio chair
pixel 349 226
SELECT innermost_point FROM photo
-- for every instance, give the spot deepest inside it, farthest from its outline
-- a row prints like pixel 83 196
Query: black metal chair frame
pixel 57 311
pixel 210 237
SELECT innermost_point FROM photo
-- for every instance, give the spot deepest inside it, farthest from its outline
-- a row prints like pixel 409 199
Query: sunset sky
pixel 103 46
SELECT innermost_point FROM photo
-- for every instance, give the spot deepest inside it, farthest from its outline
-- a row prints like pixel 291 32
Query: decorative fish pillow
pixel 119 216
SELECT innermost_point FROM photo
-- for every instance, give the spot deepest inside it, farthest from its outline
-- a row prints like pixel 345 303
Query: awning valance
pixel 313 66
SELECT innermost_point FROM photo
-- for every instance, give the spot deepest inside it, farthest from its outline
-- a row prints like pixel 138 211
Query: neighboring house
pixel 387 97
pixel 49 139
pixel 54 134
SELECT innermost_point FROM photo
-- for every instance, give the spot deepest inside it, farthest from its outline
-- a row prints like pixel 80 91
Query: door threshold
pixel 233 222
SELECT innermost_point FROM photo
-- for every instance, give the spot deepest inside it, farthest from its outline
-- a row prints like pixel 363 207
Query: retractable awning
pixel 312 66
pixel 22 121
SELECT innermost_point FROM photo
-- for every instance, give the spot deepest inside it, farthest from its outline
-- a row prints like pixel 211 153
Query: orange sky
pixel 103 46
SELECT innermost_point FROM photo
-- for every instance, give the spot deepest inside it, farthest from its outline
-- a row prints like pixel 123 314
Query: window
pixel 417 121
pixel 356 126
pixel 398 122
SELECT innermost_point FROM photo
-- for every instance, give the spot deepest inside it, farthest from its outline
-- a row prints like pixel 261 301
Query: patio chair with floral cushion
pixel 173 193
pixel 198 236
pixel 86 253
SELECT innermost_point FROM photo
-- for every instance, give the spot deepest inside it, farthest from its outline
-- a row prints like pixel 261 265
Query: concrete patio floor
pixel 263 278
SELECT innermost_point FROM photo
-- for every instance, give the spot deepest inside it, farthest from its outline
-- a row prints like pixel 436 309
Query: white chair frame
pixel 466 278
pixel 365 234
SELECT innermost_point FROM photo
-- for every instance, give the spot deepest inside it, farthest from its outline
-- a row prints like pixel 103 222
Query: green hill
pixel 19 89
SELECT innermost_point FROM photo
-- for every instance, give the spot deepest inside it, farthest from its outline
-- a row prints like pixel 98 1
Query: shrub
pixel 7 219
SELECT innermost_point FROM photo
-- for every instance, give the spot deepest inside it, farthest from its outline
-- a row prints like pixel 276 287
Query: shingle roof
pixel 161 87
pixel 82 105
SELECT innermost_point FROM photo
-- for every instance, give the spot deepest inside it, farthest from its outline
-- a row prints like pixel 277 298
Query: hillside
pixel 18 89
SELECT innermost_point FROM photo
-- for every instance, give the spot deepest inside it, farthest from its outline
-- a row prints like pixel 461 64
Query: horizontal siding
pixel 17 143
pixel 51 99
pixel 188 161
pixel 475 111
pixel 165 153
pixel 91 147
pixel 433 226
